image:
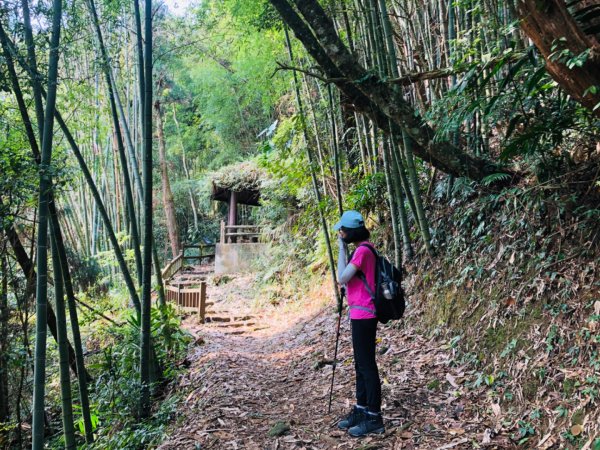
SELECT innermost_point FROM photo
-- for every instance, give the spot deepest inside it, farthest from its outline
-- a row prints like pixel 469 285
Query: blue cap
pixel 350 219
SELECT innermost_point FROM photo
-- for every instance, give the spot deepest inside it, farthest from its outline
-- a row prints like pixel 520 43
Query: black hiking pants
pixel 368 386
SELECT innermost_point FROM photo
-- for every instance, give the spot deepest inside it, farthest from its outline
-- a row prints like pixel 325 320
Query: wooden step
pixel 236 332
pixel 236 324
pixel 243 318
pixel 217 318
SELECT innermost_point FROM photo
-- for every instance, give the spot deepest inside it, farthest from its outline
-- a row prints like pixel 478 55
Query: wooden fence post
pixel 178 298
pixel 202 303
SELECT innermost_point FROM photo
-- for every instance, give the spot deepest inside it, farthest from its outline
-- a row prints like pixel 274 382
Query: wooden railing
pixel 176 264
pixel 203 251
pixel 187 294
pixel 188 298
pixel 239 233
pixel 173 267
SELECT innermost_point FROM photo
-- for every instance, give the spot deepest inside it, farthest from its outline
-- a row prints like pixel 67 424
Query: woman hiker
pixel 365 417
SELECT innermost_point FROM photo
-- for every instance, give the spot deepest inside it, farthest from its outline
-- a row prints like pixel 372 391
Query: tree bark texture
pixel 553 28
pixel 168 201
pixel 370 95
pixel 4 316
pixel 145 331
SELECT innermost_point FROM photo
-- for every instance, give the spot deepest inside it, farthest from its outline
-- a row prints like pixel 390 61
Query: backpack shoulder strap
pixel 370 247
pixel 363 278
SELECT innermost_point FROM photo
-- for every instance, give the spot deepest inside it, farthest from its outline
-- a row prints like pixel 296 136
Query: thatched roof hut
pixel 237 184
pixel 243 178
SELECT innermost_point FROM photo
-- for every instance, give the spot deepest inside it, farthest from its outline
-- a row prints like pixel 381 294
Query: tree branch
pixel 414 77
pixel 282 66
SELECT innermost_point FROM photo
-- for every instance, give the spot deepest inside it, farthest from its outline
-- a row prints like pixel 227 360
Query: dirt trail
pixel 262 382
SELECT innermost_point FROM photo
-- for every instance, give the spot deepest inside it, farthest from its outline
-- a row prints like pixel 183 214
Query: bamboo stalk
pixel 317 193
pixel 42 241
pixel 65 380
pixel 119 140
pixel 145 337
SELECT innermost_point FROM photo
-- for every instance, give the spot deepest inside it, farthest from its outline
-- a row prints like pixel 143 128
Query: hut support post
pixel 233 211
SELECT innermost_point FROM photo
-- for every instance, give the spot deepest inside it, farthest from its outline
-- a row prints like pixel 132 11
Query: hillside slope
pixel 499 348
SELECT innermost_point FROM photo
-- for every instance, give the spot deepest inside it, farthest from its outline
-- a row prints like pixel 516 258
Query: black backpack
pixel 388 296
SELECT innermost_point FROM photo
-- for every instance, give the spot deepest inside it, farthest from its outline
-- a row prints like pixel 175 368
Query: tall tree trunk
pixel 130 145
pixel 145 332
pixel 140 63
pixel 451 58
pixel 392 201
pixel 416 191
pixel 186 172
pixel 398 161
pixel 553 28
pixel 167 194
pixel 31 59
pixel 119 140
pixel 336 151
pixel 23 308
pixel 372 95
pixel 320 152
pixel 39 384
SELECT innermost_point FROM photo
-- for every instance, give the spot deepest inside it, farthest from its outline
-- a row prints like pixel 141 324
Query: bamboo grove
pixel 32 69
pixel 386 106
pixel 400 67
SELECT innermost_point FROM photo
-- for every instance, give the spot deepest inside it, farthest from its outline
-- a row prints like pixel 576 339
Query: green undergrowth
pixel 514 292
pixel 112 360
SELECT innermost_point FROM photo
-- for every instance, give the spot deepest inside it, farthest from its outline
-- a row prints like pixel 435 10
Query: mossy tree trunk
pixel 371 95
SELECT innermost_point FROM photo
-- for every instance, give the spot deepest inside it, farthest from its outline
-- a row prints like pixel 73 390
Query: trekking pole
pixel 313 176
pixel 337 340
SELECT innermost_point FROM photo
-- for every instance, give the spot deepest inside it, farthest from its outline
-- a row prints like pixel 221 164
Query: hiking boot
pixel 356 416
pixel 371 423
